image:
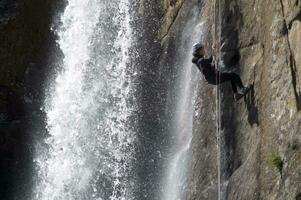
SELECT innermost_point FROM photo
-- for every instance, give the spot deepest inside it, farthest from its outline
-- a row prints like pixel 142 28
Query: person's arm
pixel 210 59
pixel 210 62
pixel 199 63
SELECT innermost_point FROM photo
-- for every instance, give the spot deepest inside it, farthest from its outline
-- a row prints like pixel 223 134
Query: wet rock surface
pixel 8 10
pixel 264 36
pixel 25 51
pixel 260 41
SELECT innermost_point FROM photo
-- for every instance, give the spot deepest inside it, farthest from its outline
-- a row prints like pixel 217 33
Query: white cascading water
pixel 176 175
pixel 89 150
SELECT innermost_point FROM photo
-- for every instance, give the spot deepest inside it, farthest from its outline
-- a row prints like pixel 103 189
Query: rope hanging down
pixel 217 41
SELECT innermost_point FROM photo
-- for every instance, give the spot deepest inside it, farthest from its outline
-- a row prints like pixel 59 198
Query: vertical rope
pixel 219 73
pixel 217 36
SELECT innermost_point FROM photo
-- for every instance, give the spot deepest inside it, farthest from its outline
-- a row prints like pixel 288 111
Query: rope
pixel 217 34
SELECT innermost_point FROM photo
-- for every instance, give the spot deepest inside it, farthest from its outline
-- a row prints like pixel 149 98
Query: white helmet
pixel 197 46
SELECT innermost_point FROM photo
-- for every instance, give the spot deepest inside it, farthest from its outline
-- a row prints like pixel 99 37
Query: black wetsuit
pixel 213 77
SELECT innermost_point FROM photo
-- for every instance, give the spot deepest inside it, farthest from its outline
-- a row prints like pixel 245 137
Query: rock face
pixel 260 136
pixel 26 43
pixel 260 40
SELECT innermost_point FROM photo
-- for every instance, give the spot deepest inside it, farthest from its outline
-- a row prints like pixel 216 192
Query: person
pixel 213 76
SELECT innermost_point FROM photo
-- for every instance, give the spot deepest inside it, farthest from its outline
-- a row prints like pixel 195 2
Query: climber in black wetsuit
pixel 213 76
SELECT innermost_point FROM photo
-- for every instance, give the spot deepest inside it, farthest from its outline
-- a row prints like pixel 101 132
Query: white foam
pixel 89 151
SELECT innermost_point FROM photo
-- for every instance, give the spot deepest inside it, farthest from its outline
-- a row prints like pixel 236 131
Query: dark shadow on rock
pixel 14 139
pixel 230 57
pixel 25 66
pixel 251 107
pixel 229 137
pixel 293 66
pixel 295 81
pixel 298 196
pixel 11 105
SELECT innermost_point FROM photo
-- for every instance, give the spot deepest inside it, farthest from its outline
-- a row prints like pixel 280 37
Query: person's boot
pixel 245 90
pixel 238 96
pixel 242 93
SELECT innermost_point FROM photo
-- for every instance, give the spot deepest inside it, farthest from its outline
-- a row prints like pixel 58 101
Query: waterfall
pixel 90 148
pixel 178 163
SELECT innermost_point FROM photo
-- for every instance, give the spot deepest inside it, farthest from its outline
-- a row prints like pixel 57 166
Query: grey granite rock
pixel 265 37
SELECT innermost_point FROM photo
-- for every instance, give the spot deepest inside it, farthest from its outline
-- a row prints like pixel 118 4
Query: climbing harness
pixel 217 35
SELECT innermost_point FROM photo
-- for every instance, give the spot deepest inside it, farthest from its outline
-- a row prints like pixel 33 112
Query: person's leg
pixel 233 78
pixel 237 80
